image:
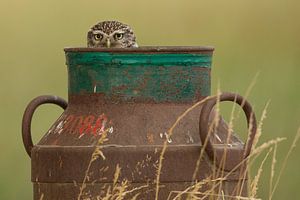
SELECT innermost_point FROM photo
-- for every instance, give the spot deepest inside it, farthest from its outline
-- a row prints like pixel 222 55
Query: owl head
pixel 111 34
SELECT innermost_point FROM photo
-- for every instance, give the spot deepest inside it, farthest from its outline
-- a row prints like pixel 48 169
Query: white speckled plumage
pixel 111 34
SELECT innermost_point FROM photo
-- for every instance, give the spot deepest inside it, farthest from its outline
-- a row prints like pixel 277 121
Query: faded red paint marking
pixel 82 124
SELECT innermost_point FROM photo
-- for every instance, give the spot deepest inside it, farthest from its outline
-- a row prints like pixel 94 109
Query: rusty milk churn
pixel 132 129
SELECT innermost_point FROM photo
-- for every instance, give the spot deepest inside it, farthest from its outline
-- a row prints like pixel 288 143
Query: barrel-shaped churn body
pixel 111 136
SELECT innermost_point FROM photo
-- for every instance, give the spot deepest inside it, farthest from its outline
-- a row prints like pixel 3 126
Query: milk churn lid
pixel 146 49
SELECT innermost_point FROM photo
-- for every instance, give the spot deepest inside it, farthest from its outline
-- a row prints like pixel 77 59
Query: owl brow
pixel 98 31
pixel 118 31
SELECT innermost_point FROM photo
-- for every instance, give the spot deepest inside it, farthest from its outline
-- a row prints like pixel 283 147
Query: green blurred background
pixel 250 37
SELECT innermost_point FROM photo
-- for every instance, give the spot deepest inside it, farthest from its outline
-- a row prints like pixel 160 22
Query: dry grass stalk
pixel 116 175
pixel 230 130
pixel 260 124
pixel 246 95
pixel 214 124
pixel 95 155
pixel 272 171
pixel 135 197
pixel 259 150
pixel 254 184
pixel 266 145
pixel 118 191
pixel 285 161
pixel 244 167
pixel 170 132
pixel 42 196
pixel 190 189
pixel 203 195
pixel 223 195
pixel 212 127
pixel 221 172
pixel 135 189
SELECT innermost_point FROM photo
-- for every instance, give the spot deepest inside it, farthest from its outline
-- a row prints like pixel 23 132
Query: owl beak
pixel 108 43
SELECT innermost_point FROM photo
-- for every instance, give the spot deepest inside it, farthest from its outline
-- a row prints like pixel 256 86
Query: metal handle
pixel 204 127
pixel 28 114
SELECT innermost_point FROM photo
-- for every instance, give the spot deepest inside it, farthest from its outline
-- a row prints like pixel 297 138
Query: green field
pixel 250 37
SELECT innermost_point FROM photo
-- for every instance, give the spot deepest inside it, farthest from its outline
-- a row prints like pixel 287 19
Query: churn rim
pixel 145 49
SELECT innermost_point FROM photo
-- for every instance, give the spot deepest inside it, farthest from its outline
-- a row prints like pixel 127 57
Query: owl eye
pixel 118 36
pixel 98 36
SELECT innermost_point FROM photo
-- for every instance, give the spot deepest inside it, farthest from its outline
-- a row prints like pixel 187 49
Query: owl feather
pixel 111 34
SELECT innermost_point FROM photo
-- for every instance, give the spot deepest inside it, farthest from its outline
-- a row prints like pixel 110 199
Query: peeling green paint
pixel 158 77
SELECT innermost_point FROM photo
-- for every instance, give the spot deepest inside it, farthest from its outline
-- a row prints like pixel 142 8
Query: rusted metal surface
pixel 147 75
pixel 70 190
pixel 138 163
pixel 135 116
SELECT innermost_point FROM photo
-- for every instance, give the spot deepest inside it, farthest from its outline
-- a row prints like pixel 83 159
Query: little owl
pixel 111 34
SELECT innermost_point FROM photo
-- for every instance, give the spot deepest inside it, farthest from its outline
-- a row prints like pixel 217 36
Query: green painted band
pixel 181 77
pixel 105 58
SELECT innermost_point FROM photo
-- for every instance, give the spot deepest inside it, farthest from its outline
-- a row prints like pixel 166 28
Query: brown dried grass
pixel 120 189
